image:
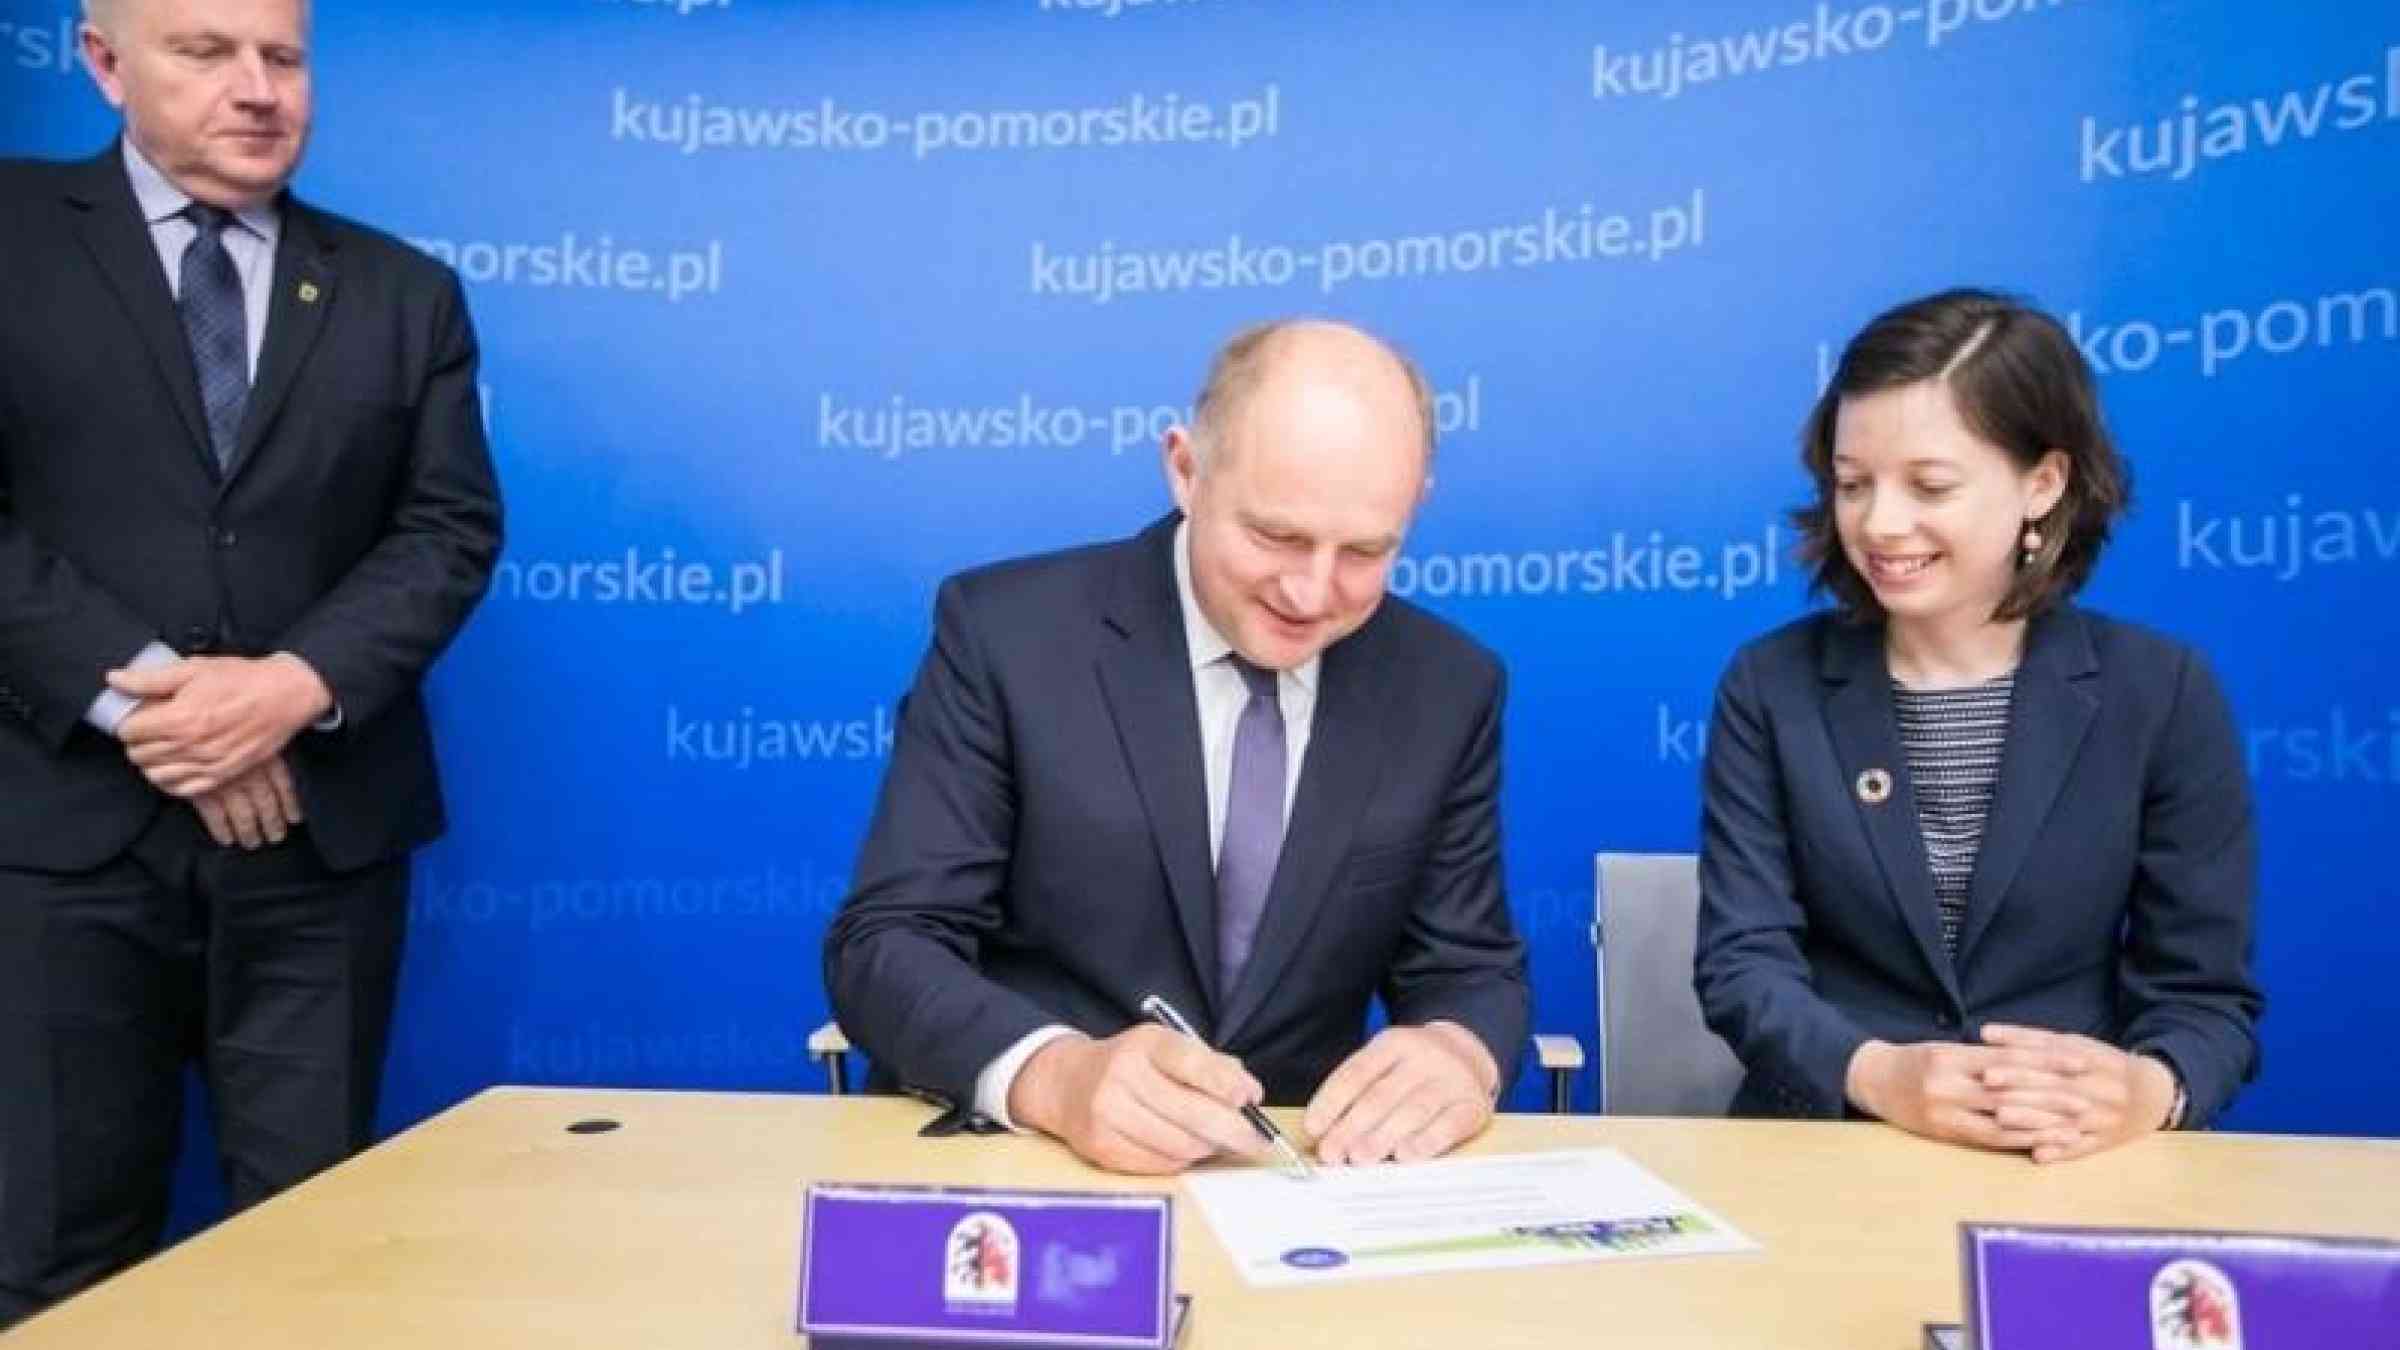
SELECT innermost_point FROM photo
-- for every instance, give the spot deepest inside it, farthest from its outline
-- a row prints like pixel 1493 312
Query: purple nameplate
pixel 927 1266
pixel 2039 1288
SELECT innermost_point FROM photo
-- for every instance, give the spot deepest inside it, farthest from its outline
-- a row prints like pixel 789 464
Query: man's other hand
pixel 255 810
pixel 1411 1093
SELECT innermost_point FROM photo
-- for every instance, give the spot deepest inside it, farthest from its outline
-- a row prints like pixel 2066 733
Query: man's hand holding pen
pixel 1146 1100
pixel 1164 1013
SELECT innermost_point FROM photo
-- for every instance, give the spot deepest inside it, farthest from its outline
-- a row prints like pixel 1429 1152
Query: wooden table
pixel 493 1226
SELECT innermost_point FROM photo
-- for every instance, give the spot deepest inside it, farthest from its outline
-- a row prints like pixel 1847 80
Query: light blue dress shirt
pixel 251 241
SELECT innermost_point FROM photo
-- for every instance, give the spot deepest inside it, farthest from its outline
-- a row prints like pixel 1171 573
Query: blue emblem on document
pixel 1314 1258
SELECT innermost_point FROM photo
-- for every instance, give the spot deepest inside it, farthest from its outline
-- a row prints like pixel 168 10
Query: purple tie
pixel 1253 823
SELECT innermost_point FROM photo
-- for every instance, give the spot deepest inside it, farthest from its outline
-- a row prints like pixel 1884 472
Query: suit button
pixel 226 539
pixel 197 640
pixel 1944 1020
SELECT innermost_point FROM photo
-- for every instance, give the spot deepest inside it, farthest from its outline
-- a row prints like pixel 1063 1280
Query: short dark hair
pixel 2019 383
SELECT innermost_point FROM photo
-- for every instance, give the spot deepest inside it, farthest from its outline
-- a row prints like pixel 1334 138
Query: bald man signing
pixel 1216 763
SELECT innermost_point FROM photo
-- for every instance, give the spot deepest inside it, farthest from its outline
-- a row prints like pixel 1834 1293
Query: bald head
pixel 1304 463
pixel 1288 354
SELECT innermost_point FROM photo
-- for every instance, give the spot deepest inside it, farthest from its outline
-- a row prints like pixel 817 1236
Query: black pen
pixel 1162 1012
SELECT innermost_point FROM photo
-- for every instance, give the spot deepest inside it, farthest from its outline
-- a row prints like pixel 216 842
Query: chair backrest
pixel 1657 1058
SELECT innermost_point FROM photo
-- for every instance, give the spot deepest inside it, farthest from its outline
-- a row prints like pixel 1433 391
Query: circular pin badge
pixel 1875 787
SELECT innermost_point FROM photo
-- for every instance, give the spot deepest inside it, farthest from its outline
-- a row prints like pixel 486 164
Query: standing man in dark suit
pixel 1215 763
pixel 244 503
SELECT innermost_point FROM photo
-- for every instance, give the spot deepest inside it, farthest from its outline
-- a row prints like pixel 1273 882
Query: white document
pixel 1523 1209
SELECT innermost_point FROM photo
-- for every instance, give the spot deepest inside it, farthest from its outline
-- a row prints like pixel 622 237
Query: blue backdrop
pixel 791 309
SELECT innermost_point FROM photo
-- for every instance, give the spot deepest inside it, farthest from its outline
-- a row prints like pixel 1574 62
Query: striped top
pixel 1953 739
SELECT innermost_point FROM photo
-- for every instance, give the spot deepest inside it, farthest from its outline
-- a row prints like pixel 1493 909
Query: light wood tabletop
pixel 492 1225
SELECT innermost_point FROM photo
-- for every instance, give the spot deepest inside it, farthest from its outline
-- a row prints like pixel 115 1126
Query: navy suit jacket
pixel 1040 852
pixel 2111 897
pixel 356 527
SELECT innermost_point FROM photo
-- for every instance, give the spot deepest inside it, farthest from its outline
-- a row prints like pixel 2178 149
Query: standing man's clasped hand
pixel 211 730
pixel 207 721
pixel 1411 1093
pixel 1146 1100
pixel 255 810
pixel 2054 1096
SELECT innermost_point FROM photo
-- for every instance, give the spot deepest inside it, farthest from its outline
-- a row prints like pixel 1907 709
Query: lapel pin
pixel 1875 787
pixel 308 292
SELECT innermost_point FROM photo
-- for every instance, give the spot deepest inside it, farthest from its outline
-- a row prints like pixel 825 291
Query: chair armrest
pixel 1562 1058
pixel 829 1047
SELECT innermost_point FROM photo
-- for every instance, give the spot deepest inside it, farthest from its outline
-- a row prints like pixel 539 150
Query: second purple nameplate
pixel 2039 1288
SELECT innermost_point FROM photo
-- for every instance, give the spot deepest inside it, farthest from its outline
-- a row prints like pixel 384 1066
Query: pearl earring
pixel 2032 543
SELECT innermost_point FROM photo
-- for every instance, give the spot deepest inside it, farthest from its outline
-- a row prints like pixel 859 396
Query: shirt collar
pixel 1200 637
pixel 160 199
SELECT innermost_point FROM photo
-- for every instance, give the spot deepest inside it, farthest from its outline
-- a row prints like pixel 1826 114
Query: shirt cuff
pixel 110 709
pixel 332 720
pixel 992 1085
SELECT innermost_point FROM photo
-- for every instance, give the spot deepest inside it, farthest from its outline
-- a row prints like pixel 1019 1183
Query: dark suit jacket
pixel 1040 853
pixel 2111 897
pixel 356 528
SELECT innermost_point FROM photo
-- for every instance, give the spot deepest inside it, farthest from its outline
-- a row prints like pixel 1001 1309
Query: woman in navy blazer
pixel 1974 861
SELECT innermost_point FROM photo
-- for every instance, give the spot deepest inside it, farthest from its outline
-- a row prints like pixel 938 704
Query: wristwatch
pixel 2183 1100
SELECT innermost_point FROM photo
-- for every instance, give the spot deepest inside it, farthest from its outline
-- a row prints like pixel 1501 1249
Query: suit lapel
pixel 1866 739
pixel 118 239
pixel 2050 713
pixel 1345 757
pixel 303 294
pixel 1146 680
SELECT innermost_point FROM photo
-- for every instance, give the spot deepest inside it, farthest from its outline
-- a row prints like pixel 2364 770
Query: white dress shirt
pixel 1221 694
